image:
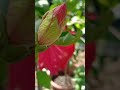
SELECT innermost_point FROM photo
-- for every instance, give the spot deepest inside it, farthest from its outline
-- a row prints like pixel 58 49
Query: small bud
pixel 52 25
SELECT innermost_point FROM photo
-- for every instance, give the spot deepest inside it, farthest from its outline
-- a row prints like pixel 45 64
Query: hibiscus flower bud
pixel 52 25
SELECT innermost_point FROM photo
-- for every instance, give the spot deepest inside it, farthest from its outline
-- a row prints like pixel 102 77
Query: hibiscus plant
pixel 59 30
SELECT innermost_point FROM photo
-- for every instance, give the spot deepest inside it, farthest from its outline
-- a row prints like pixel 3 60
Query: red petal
pixel 60 12
pixel 55 58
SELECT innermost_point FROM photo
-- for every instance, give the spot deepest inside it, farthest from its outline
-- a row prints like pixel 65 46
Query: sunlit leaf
pixel 43 79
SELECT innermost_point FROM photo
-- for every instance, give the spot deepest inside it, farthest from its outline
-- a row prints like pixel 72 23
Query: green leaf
pixel 43 79
pixel 69 39
pixel 71 4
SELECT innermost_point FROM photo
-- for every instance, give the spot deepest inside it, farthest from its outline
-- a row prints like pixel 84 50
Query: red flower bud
pixel 52 25
pixel 60 13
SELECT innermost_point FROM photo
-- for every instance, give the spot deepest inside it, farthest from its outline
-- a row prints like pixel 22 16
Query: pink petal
pixel 60 12
pixel 55 58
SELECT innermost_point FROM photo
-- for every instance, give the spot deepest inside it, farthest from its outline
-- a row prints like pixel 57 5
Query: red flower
pixel 55 58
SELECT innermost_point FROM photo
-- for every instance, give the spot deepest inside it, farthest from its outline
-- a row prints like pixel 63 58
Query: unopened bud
pixel 52 25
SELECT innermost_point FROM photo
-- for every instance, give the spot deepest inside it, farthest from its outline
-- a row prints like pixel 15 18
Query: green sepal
pixel 49 29
pixel 38 48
